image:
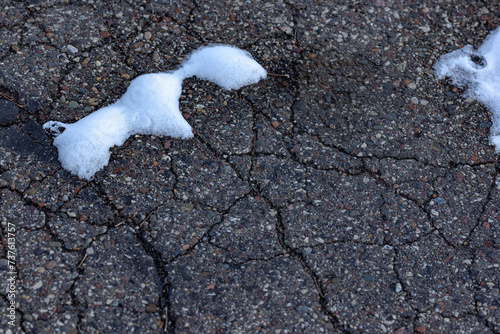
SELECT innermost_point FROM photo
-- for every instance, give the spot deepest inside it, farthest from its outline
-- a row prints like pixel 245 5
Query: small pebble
pixel 400 330
pixel 27 317
pixel 72 49
pixel 187 206
pixel 425 29
pixel 420 329
pixel 37 285
pixel 151 308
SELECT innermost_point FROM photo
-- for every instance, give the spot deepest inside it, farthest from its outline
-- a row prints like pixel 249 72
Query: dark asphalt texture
pixel 350 192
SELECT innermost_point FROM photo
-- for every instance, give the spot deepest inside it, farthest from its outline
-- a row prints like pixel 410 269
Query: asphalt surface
pixel 350 192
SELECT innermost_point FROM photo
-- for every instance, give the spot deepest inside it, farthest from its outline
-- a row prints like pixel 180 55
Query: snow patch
pixel 228 67
pixel 478 71
pixel 149 106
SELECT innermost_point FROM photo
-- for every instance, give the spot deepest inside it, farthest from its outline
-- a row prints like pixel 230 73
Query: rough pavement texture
pixel 348 193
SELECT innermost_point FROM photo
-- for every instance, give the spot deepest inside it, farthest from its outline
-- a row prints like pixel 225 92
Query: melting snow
pixel 149 106
pixel 478 71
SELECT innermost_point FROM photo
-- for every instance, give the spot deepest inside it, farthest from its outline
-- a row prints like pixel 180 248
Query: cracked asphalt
pixel 350 192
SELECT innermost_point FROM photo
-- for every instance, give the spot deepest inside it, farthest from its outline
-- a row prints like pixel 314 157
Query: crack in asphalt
pixel 477 290
pixel 280 230
pixel 165 289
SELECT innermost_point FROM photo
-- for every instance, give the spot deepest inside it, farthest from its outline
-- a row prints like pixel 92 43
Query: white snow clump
pixel 478 71
pixel 149 106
